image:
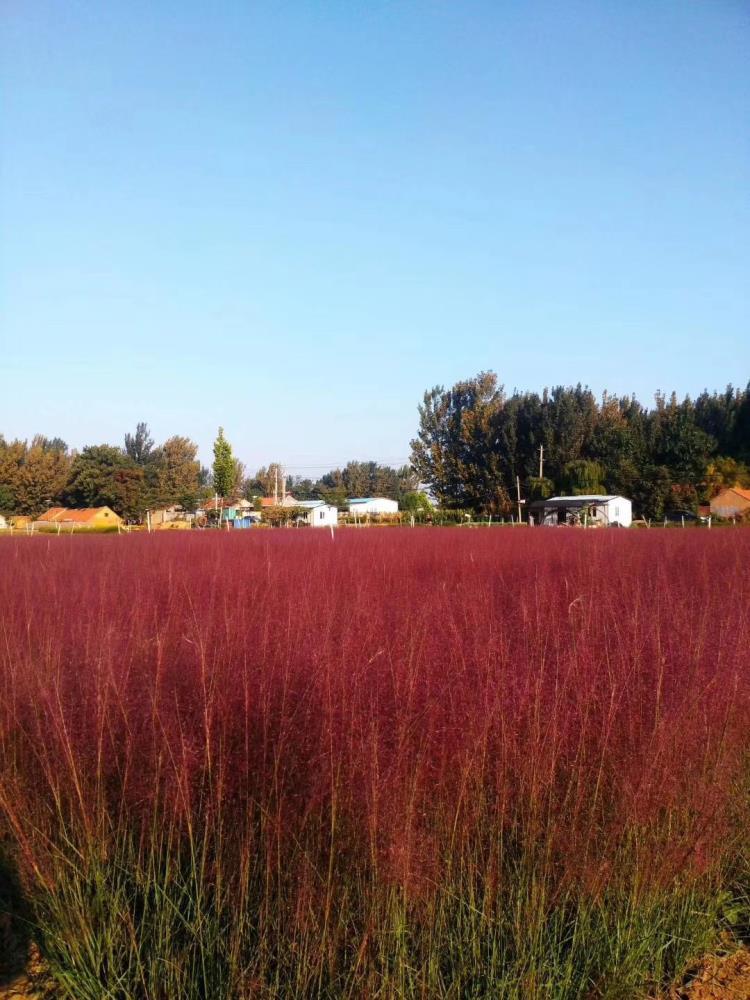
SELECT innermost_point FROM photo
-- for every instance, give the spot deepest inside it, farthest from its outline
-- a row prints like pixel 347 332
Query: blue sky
pixel 291 218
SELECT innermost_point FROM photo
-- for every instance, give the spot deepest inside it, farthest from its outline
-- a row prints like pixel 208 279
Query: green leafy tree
pixel 104 475
pixel 176 473
pixel 416 502
pixel 456 449
pixel 539 488
pixel 224 467
pixel 583 477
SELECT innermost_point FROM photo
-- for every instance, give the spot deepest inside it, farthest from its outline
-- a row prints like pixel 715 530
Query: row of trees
pixel 474 440
pixel 142 475
pixel 356 479
pixel 38 474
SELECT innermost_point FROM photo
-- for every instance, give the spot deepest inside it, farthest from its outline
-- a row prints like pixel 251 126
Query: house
pixel 286 501
pixel 3 523
pixel 731 502
pixel 79 517
pixel 319 514
pixel 359 506
pixel 594 510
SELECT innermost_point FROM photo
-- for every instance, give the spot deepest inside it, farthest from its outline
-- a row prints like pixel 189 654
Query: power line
pixel 332 465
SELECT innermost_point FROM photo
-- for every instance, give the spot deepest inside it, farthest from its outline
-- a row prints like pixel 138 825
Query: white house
pixel 3 523
pixel 595 510
pixel 372 505
pixel 319 514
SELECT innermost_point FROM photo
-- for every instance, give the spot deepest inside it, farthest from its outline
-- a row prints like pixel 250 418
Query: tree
pixel 11 456
pixel 416 502
pixel 140 446
pixel 96 480
pixel 583 477
pixel 457 451
pixel 266 480
pixel 32 477
pixel 43 475
pixel 176 473
pixel 225 467
pixel 129 496
pixel 723 472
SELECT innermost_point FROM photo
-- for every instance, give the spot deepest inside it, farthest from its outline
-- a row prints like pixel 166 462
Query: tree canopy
pixel 474 440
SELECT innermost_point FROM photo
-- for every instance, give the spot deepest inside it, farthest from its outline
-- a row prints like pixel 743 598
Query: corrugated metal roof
pixel 577 500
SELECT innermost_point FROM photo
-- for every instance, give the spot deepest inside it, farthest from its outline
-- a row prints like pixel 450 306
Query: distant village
pixel 557 458
pixel 284 510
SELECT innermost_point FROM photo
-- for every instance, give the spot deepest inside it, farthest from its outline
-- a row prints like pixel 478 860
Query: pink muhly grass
pixel 397 710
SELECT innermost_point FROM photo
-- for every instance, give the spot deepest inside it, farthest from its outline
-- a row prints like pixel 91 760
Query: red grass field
pixel 438 762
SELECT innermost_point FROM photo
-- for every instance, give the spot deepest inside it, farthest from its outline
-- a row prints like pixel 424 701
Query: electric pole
pixel 518 492
pixel 541 461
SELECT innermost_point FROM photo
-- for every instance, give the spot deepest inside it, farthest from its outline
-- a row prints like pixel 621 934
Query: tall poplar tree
pixel 225 467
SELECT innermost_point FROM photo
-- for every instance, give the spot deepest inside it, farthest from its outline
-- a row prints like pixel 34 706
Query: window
pixel 322 514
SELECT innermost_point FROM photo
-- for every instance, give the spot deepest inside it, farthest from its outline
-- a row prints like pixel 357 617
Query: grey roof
pixel 577 500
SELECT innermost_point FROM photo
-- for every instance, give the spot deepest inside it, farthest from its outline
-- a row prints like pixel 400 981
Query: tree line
pixel 141 475
pixel 476 444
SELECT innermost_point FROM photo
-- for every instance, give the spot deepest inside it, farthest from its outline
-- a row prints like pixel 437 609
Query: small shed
pixel 319 514
pixel 359 506
pixel 595 509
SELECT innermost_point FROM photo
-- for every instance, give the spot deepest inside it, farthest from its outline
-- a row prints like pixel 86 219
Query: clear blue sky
pixel 291 218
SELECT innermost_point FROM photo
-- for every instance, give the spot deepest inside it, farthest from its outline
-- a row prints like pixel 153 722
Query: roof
pixel 573 501
pixel 288 500
pixel 80 515
pixel 368 499
pixel 222 504
pixel 311 504
pixel 745 494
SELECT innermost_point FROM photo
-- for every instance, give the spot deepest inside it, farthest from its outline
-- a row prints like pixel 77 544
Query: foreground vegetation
pixel 397 764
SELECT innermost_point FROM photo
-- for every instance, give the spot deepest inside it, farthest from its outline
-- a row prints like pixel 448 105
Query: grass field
pixel 414 763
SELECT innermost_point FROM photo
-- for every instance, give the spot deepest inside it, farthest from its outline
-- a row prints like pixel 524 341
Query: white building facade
pixel 360 506
pixel 594 510
pixel 319 514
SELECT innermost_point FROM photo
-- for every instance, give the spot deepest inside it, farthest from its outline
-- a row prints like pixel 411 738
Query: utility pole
pixel 283 486
pixel 541 461
pixel 276 486
pixel 518 493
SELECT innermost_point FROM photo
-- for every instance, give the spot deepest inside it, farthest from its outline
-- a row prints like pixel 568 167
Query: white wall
pixel 376 505
pixel 620 511
pixel 323 516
